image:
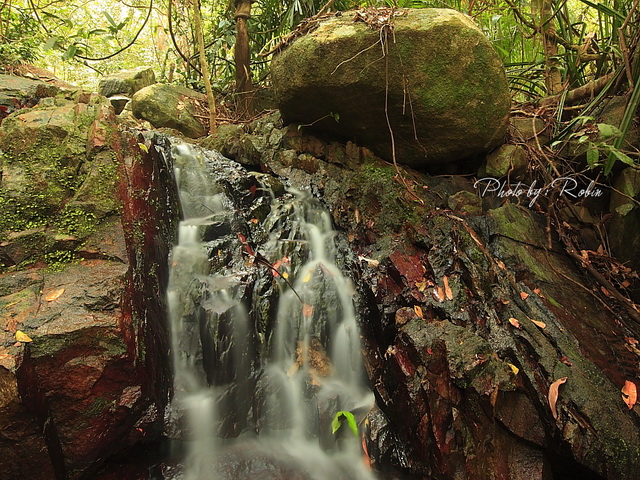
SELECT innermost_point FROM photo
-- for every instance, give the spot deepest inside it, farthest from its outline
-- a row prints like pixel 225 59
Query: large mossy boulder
pixel 437 76
pixel 169 106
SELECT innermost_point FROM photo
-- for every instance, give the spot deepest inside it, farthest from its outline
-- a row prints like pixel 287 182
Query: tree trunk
pixel 244 86
pixel 204 67
pixel 553 75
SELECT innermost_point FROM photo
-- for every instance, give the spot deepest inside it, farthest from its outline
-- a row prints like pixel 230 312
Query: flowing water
pixel 265 341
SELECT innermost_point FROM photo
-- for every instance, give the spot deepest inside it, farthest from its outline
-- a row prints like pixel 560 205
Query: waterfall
pixel 265 342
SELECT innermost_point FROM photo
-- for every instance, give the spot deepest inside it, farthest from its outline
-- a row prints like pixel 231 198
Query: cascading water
pixel 271 377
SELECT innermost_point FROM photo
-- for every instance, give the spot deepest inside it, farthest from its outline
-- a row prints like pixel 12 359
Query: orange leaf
pixel 53 296
pixel 536 291
pixel 515 323
pixel 553 395
pixel 501 264
pixel 307 310
pixel 447 288
pixel 524 295
pixel 539 324
pixel 440 294
pixel 629 394
pixel 418 311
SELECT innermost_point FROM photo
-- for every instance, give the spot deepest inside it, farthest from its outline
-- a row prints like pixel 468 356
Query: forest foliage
pixel 562 53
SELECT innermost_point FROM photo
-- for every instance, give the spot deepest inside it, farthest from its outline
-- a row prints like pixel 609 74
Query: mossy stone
pixel 441 85
pixel 169 106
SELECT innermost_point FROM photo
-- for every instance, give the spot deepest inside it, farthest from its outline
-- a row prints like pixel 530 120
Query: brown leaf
pixel 629 394
pixel 553 395
pixel 524 295
pixel 307 310
pixel 53 296
pixel 440 294
pixel 539 323
pixel 447 288
pixel 605 291
pixel 515 323
pixel 418 311
pixel 566 361
pixel 501 264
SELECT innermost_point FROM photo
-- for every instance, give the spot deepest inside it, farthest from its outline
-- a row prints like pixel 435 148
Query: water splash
pixel 274 383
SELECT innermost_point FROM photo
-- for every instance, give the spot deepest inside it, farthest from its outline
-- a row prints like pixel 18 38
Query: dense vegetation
pixel 551 48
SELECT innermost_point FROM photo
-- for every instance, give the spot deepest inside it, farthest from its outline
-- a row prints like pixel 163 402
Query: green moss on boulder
pixel 444 86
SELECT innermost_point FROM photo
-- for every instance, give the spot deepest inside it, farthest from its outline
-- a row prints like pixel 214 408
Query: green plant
pixel 337 422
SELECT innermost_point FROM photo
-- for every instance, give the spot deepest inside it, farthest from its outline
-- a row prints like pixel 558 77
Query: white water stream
pixel 310 365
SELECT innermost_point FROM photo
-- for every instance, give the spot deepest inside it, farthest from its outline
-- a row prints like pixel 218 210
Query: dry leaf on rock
pixel 53 296
pixel 307 310
pixel 515 323
pixel 23 337
pixel 629 394
pixel 553 395
pixel 447 288
pixel 539 323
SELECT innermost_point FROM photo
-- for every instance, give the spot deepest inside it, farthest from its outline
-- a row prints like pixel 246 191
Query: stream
pixel 265 342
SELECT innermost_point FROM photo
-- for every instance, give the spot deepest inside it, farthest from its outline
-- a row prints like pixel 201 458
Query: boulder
pixel 438 82
pixel 84 268
pixel 56 177
pixel 126 82
pixel 169 106
pixel 18 92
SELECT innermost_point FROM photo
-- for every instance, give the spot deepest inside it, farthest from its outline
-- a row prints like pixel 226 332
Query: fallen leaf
pixel 143 147
pixel 515 323
pixel 421 286
pixel 440 294
pixel 553 395
pixel 539 323
pixel 513 368
pixel 307 310
pixel 23 337
pixel 566 361
pixel 418 311
pixel 53 296
pixel 536 291
pixel 447 288
pixel 605 291
pixel 631 340
pixel 370 261
pixel 429 351
pixel 524 295
pixel 629 394
pixel 255 221
pixel 285 275
pixel 501 264
pixel 307 277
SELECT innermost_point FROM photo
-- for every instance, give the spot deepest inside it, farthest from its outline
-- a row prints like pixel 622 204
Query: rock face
pixel 18 92
pixel 83 271
pixel 468 318
pixel 169 106
pixel 440 78
pixel 126 82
